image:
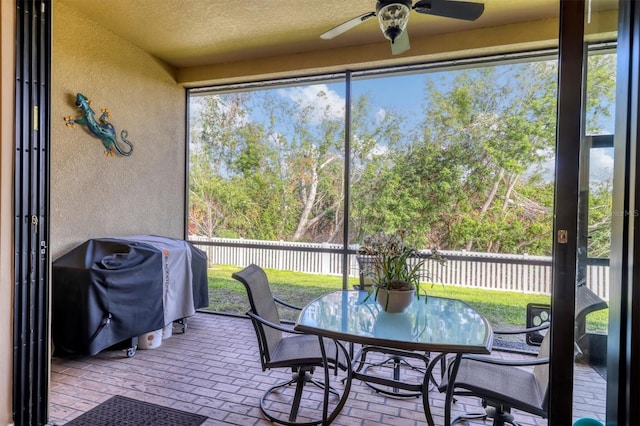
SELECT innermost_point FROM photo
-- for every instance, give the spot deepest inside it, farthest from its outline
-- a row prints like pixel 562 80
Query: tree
pixel 469 174
pixel 457 183
pixel 600 211
pixel 236 188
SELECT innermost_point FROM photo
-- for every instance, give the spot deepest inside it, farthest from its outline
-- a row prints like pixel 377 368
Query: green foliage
pixel 392 269
pixel 599 227
pixel 468 174
pixel 398 274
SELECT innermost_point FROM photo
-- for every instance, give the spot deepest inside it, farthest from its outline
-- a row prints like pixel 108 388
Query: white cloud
pixel 318 99
pixel 601 164
pixel 380 150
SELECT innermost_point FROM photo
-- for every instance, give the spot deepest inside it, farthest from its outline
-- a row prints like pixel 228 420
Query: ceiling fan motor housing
pixel 393 16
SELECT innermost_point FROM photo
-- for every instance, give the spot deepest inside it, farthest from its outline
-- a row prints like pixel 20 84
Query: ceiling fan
pixel 393 16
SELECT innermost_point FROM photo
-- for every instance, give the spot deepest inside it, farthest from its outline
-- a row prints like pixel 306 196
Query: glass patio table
pixel 430 324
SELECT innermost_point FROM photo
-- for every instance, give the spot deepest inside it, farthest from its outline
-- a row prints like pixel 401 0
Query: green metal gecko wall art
pixel 100 128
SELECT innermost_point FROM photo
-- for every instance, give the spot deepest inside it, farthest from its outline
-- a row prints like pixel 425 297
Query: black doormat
pixel 123 411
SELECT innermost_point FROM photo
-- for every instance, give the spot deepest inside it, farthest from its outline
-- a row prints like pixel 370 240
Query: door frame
pixel 31 355
pixel 623 344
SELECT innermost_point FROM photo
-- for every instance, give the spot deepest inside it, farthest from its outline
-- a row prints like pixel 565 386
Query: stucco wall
pixel 93 195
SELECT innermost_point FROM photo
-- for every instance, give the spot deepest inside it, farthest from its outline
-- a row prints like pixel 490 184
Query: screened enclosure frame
pixel 348 77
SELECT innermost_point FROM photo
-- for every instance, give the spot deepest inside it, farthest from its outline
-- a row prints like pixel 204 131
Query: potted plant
pixel 396 270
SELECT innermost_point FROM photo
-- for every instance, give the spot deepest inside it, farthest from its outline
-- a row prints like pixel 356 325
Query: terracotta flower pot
pixel 394 301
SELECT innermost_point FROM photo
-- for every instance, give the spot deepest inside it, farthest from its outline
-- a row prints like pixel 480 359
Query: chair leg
pixel 321 386
pixel 300 377
pixel 469 416
pixel 501 415
pixel 263 408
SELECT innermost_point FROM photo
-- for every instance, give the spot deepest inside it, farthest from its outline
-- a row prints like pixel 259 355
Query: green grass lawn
pixel 502 309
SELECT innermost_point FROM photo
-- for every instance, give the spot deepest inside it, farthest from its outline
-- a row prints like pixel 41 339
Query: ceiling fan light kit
pixel 393 17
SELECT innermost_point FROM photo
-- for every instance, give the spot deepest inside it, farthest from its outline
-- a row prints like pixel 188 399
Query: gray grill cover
pixel 108 290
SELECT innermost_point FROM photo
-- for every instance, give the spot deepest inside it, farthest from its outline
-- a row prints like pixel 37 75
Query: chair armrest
pixel 512 362
pixel 587 301
pixel 272 325
pixel 489 360
pixel 523 330
pixel 288 305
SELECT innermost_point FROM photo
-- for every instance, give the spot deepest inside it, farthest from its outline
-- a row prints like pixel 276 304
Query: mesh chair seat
pixel 303 350
pixel 502 385
pixel 514 387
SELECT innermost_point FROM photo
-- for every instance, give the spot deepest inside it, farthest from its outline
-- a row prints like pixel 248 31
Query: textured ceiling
pixel 186 33
pixel 210 42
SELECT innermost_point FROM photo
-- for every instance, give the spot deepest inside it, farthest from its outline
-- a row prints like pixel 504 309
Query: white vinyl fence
pixel 512 272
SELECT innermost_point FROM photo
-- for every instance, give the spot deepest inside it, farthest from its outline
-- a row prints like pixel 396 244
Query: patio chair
pixel 501 384
pixel 282 347
pixel 366 265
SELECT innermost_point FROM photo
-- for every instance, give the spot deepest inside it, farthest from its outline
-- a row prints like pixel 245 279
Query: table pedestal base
pixel 397 362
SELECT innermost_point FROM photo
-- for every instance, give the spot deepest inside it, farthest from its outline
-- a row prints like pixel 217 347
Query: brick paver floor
pixel 213 369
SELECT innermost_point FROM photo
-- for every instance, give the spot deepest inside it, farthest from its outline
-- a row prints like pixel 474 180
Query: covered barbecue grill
pixel 110 290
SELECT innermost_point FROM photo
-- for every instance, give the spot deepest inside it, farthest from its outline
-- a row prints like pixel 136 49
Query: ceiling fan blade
pixel 401 44
pixel 450 9
pixel 346 26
